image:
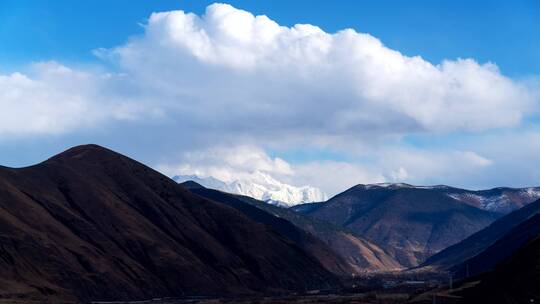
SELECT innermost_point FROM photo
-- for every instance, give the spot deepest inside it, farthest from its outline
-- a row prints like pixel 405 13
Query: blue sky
pixel 153 96
pixel 499 31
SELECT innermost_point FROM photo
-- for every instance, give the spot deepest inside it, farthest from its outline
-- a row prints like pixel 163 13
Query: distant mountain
pixel 93 225
pixel 409 223
pixel 515 275
pixel 261 186
pixel 359 254
pixel 467 252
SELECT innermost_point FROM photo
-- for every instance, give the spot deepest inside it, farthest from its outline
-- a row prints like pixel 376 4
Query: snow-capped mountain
pixel 263 187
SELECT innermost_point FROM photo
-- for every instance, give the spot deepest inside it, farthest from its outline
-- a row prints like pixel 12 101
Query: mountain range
pixel 379 216
pixel 409 223
pixel 261 186
pixel 412 223
pixel 90 224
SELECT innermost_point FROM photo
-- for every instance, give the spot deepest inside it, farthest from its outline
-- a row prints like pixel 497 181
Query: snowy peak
pixel 261 186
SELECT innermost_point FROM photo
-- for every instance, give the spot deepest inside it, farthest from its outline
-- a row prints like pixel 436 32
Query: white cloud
pixel 231 73
pixel 396 164
pixel 428 167
pixel 247 162
pixel 52 99
pixel 37 105
pixel 227 163
pixel 243 71
pixel 399 175
pixel 336 176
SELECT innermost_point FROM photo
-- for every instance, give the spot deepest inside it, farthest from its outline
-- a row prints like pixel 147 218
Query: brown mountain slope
pixel 358 254
pixel 92 224
pixel 409 223
pixel 310 244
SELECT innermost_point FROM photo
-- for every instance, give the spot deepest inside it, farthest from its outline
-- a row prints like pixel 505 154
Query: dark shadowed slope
pixel 481 240
pixel 355 254
pixel 500 250
pixel 307 208
pixel 310 244
pixel 517 278
pixel 93 224
pixel 409 223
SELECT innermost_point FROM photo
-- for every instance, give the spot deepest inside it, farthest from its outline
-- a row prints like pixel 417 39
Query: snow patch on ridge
pixel 401 185
pixel 502 200
pixel 506 201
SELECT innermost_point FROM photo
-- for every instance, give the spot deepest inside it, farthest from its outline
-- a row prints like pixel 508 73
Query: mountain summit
pixel 261 186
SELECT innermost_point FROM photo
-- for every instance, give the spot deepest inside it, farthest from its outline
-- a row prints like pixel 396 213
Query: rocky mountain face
pixel 263 187
pixel 409 223
pixel 91 224
pixel 358 254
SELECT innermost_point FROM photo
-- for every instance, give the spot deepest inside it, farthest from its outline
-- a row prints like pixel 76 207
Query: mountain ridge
pixel 497 199
pixel 90 224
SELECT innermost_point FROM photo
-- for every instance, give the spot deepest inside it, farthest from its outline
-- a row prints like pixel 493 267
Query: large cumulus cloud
pixel 239 70
pixel 234 73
